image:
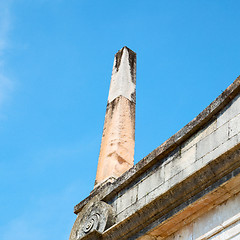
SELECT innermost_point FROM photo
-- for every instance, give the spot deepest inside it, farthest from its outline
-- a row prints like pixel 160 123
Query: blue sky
pixel 56 59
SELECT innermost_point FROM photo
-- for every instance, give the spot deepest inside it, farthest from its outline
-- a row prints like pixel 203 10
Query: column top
pixel 123 81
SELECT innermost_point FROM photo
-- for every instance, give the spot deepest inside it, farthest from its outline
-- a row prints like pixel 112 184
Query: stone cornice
pixel 108 189
pixel 212 184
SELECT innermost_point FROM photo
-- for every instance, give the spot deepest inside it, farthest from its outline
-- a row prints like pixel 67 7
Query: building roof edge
pixel 108 190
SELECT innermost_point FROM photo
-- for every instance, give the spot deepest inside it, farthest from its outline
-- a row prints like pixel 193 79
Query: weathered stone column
pixel 118 139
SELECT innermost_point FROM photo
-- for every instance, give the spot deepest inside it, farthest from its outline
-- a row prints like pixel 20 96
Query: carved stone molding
pixel 95 217
pixel 93 235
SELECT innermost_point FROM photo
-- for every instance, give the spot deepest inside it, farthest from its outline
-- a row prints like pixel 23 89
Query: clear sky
pixel 56 59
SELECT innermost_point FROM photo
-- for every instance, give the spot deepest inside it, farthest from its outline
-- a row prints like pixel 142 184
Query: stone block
pixel 232 110
pixel 212 141
pixel 234 126
pixel 175 179
pixel 179 164
pixel 199 136
pixel 127 199
pixel 131 209
pixel 217 152
pixel 171 169
pixel 151 182
pixel 188 157
pixel 157 191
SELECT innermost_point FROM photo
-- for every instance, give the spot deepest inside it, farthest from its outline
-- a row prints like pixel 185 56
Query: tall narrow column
pixel 118 139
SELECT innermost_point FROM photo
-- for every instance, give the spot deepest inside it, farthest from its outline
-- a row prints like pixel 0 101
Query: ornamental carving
pixel 97 216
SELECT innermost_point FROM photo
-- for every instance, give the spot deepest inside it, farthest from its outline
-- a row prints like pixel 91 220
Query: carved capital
pixel 95 217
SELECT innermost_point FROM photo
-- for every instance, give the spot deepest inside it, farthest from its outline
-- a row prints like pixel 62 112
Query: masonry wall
pixel 220 223
pixel 220 135
pixel 187 188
